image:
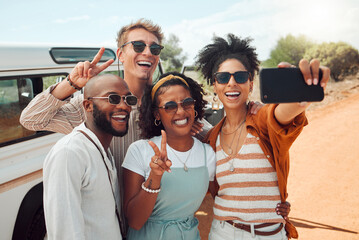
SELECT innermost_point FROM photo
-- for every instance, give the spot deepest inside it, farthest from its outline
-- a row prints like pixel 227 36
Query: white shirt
pixel 79 200
pixel 139 155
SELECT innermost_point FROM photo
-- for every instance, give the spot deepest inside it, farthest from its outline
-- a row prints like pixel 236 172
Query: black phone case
pixel 285 85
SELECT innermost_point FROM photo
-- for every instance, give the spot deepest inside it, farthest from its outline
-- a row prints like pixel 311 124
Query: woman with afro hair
pixel 167 176
pixel 252 151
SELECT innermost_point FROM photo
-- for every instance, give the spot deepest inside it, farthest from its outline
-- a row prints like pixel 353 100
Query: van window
pixel 15 95
pixel 74 55
pixel 51 80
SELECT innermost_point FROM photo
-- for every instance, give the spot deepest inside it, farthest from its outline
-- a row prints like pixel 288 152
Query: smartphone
pixel 285 85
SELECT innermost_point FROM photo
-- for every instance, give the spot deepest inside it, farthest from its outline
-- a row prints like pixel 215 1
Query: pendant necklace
pixel 184 163
pixel 231 166
pixel 230 151
pixel 225 133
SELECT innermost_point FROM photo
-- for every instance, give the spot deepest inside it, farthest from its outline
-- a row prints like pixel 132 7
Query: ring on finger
pixel 156 160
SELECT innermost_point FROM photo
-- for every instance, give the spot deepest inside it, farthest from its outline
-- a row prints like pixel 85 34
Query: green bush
pixel 288 49
pixel 341 58
pixel 172 58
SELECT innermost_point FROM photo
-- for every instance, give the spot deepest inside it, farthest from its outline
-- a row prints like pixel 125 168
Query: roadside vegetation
pixel 340 57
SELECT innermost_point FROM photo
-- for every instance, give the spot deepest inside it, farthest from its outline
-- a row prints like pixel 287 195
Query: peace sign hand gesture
pixel 160 162
pixel 83 71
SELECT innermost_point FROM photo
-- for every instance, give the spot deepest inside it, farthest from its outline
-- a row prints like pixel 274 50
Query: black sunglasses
pixel 172 106
pixel 139 47
pixel 115 99
pixel 239 77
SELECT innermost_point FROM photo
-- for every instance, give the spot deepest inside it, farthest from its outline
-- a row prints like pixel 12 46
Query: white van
pixel 24 73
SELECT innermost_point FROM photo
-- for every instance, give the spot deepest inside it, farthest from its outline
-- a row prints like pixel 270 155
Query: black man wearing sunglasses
pixel 82 168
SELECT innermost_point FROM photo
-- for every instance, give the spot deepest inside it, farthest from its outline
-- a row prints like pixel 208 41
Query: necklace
pixel 231 166
pixel 233 131
pixel 184 163
pixel 230 151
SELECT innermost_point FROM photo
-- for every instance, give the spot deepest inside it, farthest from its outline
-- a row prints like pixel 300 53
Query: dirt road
pixel 324 173
pixel 323 181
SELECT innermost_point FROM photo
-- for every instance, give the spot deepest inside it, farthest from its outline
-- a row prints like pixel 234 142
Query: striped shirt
pixel 250 192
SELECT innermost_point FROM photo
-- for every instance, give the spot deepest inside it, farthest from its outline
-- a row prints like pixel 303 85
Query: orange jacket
pixel 275 141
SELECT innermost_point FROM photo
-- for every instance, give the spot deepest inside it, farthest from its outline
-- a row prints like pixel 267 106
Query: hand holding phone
pixel 285 85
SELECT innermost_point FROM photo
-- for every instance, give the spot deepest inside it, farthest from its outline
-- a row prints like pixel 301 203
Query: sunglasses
pixel 139 47
pixel 239 77
pixel 172 106
pixel 115 99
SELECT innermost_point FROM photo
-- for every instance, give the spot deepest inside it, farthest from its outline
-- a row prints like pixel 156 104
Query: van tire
pixel 30 221
pixel 37 229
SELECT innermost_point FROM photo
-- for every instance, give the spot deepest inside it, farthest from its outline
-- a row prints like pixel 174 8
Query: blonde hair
pixel 146 24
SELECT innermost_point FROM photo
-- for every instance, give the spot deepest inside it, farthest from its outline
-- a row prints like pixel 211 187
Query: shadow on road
pixel 302 223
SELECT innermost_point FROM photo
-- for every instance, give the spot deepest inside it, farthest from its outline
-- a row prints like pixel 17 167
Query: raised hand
pixel 83 71
pixel 310 71
pixel 286 112
pixel 160 162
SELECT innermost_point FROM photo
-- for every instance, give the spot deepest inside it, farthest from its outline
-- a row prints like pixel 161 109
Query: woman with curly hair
pixel 167 177
pixel 252 151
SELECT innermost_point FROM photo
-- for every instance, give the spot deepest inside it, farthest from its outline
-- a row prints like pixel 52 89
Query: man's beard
pixel 105 125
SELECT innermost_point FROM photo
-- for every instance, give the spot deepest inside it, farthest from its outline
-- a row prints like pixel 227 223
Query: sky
pixel 195 22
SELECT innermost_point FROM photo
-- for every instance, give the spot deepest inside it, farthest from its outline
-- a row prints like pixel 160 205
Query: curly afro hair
pixel 213 55
pixel 148 107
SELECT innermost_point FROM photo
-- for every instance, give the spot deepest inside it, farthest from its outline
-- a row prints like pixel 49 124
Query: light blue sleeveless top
pixel 173 215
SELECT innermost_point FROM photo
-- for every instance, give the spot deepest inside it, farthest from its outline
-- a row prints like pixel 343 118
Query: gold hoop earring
pixel 195 113
pixel 215 98
pixel 157 123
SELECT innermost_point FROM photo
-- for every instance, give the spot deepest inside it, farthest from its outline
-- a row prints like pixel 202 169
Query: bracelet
pixel 150 190
pixel 72 84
